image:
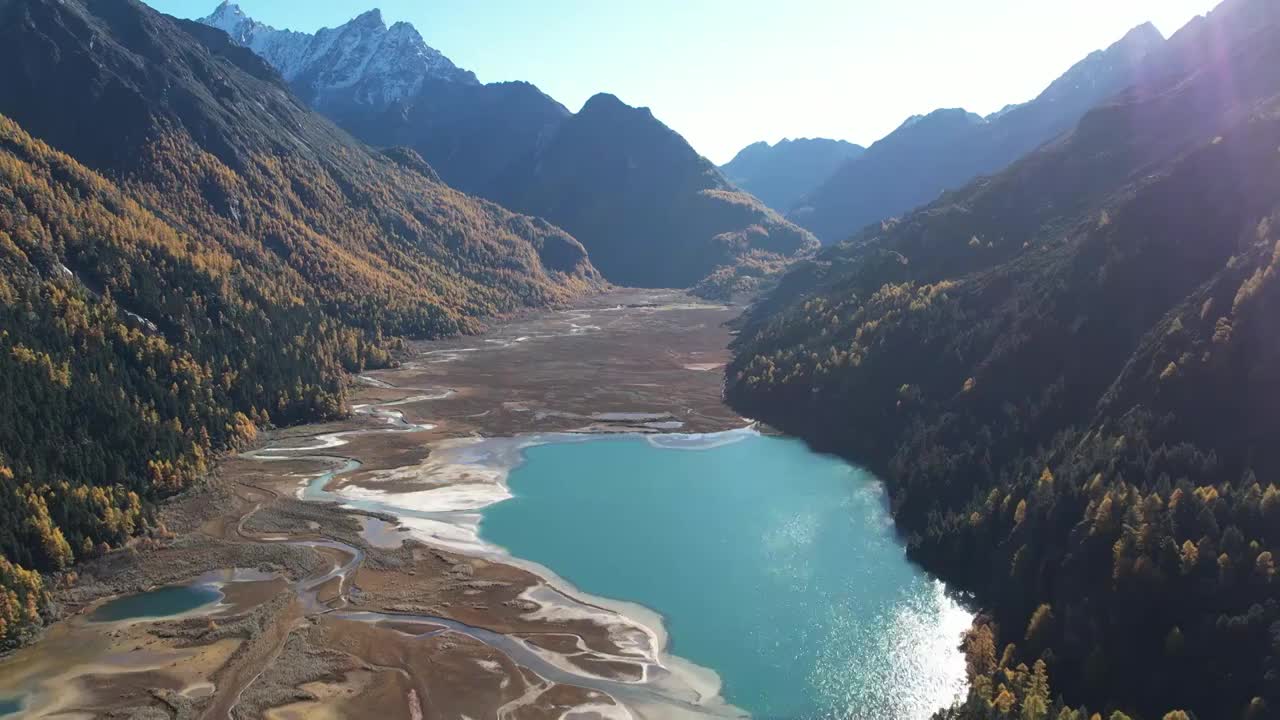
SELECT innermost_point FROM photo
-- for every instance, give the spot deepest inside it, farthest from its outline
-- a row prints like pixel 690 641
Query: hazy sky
pixel 725 73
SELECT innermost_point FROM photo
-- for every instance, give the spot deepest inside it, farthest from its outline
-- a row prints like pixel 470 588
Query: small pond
pixel 160 603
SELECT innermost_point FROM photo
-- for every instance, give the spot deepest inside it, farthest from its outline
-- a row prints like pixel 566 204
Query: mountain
pixel 649 210
pixel 361 63
pixel 387 87
pixel 946 148
pixel 189 252
pixel 783 173
pixel 1065 375
pixel 470 133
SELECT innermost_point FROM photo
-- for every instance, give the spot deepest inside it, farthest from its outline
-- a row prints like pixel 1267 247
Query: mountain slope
pixel 782 173
pixel 649 209
pixel 173 117
pixel 189 252
pixel 947 148
pixel 1064 374
pixel 644 203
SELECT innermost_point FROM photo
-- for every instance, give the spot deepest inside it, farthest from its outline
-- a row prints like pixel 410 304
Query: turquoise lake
pixel 774 566
pixel 159 603
pixel 10 706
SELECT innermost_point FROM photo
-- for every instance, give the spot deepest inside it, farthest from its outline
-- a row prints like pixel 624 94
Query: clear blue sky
pixel 725 73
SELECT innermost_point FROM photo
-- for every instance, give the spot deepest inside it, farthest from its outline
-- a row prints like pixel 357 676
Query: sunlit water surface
pixel 774 566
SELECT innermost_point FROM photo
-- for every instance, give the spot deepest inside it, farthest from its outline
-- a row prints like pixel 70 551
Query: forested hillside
pixel 191 255
pixel 1065 375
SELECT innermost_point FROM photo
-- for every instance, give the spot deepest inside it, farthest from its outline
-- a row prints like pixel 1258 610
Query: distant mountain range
pixel 946 148
pixel 660 213
pixel 781 174
pixel 633 192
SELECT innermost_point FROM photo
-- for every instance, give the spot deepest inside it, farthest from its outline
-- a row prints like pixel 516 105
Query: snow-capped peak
pixel 227 17
pixel 362 61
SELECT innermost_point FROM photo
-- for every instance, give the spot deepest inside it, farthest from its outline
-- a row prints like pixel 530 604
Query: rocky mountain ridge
pixel 946 148
pixel 362 61
pixel 647 207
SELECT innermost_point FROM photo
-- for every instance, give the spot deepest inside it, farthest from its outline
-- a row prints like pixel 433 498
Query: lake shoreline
pixel 247 516
pixel 480 467
pixel 775 566
pixel 385 592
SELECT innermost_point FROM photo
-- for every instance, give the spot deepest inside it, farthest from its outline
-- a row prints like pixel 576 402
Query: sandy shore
pixel 365 589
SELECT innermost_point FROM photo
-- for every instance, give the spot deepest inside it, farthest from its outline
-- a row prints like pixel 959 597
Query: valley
pixel 336 382
pixel 350 564
pixel 344 603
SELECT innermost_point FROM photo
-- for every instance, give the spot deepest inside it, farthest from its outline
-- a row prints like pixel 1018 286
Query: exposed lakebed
pixel 773 566
pixel 502 527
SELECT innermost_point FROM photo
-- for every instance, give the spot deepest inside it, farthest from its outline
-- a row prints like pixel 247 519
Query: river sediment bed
pixel 341 570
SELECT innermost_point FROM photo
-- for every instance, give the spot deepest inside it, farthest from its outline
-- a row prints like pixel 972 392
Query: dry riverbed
pixel 332 612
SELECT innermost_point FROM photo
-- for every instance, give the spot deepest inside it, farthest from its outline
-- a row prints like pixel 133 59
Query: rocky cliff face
pixel 362 62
